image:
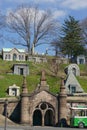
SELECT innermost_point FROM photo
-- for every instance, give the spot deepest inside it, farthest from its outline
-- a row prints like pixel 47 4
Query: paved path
pixel 36 128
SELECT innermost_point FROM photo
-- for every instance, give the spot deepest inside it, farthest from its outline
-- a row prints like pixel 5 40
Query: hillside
pixel 7 78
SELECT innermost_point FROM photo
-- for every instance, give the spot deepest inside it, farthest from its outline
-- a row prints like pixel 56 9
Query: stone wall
pixel 43 97
pixel 13 109
pixel 35 101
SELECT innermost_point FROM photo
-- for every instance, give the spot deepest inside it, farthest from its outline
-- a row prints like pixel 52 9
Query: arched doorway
pixel 74 71
pixel 43 115
pixel 48 118
pixel 37 118
pixel 14 56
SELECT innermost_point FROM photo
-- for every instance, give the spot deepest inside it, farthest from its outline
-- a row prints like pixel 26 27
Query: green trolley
pixel 78 117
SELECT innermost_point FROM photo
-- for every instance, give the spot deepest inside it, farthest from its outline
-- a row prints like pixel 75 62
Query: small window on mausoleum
pixel 9 56
pixel 14 56
pixel 81 61
pixel 72 89
pixel 5 56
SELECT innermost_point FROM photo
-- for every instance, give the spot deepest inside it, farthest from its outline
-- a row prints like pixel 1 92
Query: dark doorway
pixel 81 61
pixel 14 56
pixel 21 71
pixel 48 119
pixel 37 118
pixel 14 91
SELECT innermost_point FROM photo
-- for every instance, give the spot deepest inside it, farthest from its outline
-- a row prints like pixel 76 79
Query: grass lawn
pixel 33 79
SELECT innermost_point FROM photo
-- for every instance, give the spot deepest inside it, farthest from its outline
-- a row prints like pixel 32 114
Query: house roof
pixel 72 68
pixel 20 64
pixel 39 91
pixel 9 49
pixel 71 80
pixel 14 86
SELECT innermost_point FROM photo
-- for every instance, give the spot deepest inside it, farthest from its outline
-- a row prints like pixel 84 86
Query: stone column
pixel 24 104
pixel 62 102
pixel 42 120
pixel 43 83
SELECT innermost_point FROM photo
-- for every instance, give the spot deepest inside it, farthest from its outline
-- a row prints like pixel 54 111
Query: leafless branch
pixel 31 26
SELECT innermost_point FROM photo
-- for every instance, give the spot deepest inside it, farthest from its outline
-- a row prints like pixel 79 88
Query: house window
pixel 19 57
pixel 14 56
pixel 22 57
pixel 72 89
pixel 81 61
pixel 5 56
pixel 9 56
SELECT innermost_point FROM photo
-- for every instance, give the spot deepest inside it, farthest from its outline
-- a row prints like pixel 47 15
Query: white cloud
pixel 51 1
pixel 18 1
pixel 59 13
pixel 33 1
pixel 74 4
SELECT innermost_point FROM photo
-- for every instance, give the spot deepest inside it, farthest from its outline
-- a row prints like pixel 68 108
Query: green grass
pixel 83 82
pixel 8 80
pixel 33 79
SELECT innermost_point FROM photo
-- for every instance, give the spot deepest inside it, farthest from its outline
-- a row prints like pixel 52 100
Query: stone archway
pixel 37 118
pixel 44 115
pixel 74 71
pixel 48 118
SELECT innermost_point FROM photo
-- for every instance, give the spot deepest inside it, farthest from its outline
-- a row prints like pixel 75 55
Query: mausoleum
pixel 13 54
pixel 14 90
pixel 21 69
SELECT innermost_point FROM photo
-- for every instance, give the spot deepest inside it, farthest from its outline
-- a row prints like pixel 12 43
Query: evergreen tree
pixel 71 41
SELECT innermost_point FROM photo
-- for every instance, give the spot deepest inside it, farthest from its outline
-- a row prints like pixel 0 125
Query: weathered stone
pixel 62 102
pixel 42 107
pixel 11 54
pixel 21 69
pixel 24 103
pixel 72 68
pixel 14 90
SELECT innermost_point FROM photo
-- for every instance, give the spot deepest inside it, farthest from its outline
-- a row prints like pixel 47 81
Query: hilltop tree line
pixel 72 41
pixel 30 27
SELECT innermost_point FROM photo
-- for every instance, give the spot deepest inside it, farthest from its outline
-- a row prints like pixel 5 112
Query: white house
pixel 14 90
pixel 11 54
pixel 81 59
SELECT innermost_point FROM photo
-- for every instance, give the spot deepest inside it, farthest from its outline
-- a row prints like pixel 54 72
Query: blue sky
pixel 61 8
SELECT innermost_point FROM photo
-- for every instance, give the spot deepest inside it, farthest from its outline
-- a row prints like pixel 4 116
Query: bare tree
pixel 54 66
pixel 83 25
pixel 56 44
pixel 31 27
pixel 2 24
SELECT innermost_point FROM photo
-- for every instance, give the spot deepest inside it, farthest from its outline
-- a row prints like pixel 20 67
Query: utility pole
pixel 6 113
